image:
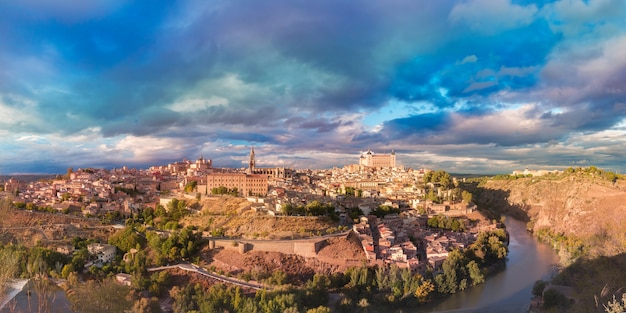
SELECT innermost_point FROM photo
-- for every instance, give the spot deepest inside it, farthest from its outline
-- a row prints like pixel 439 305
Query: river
pixel 508 290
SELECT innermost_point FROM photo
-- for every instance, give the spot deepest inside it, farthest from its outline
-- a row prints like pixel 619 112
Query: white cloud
pixel 17 111
pixel 198 104
pixel 491 16
pixel 468 59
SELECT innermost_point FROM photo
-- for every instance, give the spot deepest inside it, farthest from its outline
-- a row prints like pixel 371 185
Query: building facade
pixel 369 159
pixel 246 184
pixel 270 172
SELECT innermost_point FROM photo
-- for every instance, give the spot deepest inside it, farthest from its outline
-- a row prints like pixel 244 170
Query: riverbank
pixel 510 289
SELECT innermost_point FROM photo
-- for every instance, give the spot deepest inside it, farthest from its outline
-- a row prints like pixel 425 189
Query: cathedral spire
pixel 251 163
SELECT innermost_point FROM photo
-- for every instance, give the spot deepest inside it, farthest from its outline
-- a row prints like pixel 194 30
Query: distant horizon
pixel 476 86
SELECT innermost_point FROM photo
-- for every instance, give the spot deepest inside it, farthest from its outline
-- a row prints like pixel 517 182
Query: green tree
pixel 127 239
pixel 554 299
pixel 67 269
pixel 538 288
pixel 467 196
pixel 191 186
pixel 475 273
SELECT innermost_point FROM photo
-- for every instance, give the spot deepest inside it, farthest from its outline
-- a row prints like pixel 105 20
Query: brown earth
pixel 29 228
pixel 581 205
pixel 338 255
pixel 236 218
pixel 343 248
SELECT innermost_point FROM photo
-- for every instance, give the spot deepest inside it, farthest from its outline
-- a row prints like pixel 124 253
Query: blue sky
pixel 473 86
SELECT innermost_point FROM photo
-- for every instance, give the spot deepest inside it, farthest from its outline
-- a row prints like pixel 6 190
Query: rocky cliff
pixel 579 205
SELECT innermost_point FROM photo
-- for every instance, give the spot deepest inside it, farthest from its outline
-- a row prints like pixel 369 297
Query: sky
pixel 467 86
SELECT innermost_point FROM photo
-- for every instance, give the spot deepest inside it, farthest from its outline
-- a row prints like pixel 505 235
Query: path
pixel 190 267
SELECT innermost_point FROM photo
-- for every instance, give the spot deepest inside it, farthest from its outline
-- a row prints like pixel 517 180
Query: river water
pixel 508 290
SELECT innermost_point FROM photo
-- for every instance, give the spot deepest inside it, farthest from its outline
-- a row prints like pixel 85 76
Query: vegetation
pixel 162 218
pixel 129 191
pixel 538 288
pixel 569 248
pixel 466 196
pixel 440 177
pixel 616 306
pixel 554 300
pixel 353 192
pixel 99 296
pixel 9 266
pixel 178 245
pixel 383 210
pixel 222 298
pixel 313 208
pixel 446 222
pixel 225 191
pixel 191 186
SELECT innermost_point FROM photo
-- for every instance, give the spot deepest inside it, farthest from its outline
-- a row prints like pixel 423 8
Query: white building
pixel 104 253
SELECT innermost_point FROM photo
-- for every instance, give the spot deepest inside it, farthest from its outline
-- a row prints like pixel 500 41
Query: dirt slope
pixel 236 218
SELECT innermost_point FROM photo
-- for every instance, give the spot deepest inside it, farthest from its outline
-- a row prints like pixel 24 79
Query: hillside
pixel 583 215
pixel 579 205
pixel 233 217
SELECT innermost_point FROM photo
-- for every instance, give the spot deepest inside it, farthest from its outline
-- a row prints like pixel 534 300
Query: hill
pixel 233 217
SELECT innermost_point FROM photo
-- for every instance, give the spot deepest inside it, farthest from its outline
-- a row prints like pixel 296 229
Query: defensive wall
pixel 307 248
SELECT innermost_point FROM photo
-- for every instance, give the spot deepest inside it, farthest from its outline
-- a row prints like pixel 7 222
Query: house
pixel 124 279
pixel 66 249
pixel 103 253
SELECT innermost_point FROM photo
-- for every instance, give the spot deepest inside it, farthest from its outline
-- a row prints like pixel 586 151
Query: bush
pixel 554 299
pixel 538 288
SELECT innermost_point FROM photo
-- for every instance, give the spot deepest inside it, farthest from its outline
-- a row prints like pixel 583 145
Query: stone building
pixel 369 159
pixel 270 172
pixel 246 184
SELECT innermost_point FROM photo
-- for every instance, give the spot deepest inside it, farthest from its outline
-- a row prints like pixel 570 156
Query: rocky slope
pixel 579 205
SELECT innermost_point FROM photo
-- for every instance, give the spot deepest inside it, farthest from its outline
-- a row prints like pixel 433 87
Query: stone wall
pixel 307 248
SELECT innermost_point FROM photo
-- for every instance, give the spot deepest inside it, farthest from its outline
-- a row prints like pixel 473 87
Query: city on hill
pixel 171 232
pixel 189 236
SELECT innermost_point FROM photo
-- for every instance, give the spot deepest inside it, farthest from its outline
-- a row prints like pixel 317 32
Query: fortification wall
pixel 305 248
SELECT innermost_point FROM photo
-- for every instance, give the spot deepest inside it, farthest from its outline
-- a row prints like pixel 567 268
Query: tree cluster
pixel 313 208
pixel 221 190
pixel 178 245
pixel 353 192
pixel 383 210
pixel 440 177
pixel 222 298
pixel 569 248
pixel 446 222
pixel 467 268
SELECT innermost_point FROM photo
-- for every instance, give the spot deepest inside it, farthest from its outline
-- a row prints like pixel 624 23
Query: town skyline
pixel 476 86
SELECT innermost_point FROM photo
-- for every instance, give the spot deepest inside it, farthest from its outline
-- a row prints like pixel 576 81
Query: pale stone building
pixel 246 184
pixel 369 159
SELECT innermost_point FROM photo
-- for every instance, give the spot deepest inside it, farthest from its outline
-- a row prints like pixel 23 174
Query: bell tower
pixel 251 162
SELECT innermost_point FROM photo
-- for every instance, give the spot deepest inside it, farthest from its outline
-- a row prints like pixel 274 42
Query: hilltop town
pixel 372 212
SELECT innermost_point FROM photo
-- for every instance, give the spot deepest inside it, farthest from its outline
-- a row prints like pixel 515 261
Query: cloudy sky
pixel 471 86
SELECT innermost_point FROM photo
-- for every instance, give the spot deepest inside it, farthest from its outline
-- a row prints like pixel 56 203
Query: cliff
pixel 580 205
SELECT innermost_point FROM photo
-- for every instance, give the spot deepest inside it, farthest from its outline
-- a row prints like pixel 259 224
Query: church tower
pixel 251 163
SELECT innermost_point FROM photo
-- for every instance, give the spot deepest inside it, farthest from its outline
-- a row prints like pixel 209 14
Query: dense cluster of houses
pixel 407 242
